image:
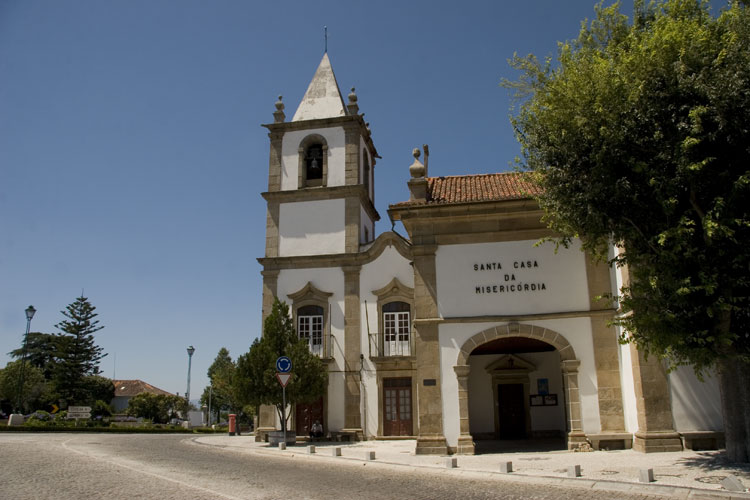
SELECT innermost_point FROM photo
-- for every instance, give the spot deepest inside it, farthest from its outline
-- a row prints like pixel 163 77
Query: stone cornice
pixel 336 121
pixel 323 193
pixel 519 317
pixel 385 240
pixel 468 209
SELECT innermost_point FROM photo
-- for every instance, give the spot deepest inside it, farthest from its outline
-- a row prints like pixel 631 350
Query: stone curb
pixel 683 492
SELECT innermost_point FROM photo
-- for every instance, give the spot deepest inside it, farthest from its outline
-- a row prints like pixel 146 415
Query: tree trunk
pixel 735 405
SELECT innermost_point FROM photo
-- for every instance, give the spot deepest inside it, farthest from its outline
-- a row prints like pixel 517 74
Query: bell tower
pixel 320 195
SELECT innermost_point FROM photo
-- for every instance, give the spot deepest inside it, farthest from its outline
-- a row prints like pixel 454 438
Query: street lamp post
pixel 190 351
pixel 29 314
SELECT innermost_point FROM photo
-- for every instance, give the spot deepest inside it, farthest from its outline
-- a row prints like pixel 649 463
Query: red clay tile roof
pixel 131 388
pixel 476 188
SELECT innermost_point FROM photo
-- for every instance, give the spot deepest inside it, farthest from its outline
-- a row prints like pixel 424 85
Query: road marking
pixel 152 474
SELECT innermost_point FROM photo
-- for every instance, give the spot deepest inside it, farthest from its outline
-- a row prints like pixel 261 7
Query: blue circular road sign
pixel 283 364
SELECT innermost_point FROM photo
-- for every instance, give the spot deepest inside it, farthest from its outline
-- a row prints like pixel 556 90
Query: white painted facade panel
pixel 290 144
pixel 366 227
pixel 627 382
pixel 513 277
pixel 696 405
pixel 325 279
pixel 312 227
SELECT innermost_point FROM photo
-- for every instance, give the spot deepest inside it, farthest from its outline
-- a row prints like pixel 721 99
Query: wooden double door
pixel 306 415
pixel 511 411
pixel 397 407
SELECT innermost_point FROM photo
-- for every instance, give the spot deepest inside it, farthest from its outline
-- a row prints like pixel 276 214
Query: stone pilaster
pixel 272 229
pixel 351 153
pixel 655 423
pixel 430 437
pixel 267 413
pixel 352 351
pixel 270 283
pixel 352 221
pixel 576 436
pixel 274 161
pixel 606 349
pixel 465 441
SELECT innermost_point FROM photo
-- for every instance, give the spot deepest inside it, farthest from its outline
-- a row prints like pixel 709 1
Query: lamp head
pixel 30 312
pixel 190 350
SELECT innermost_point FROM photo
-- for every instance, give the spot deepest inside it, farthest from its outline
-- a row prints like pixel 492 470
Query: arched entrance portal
pixel 503 374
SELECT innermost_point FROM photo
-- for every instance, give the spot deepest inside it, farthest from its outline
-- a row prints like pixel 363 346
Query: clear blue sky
pixel 132 157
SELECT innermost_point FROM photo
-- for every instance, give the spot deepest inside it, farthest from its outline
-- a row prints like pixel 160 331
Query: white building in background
pixel 465 331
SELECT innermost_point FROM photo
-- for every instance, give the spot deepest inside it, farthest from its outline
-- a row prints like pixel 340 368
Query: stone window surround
pixel 302 166
pixel 310 295
pixel 394 291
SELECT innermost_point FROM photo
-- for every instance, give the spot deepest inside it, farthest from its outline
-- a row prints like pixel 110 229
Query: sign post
pixel 283 374
pixel 77 412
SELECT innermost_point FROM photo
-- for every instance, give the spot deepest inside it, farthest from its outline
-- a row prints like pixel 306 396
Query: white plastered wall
pixel 365 223
pixel 312 227
pixel 577 331
pixel 335 138
pixel 330 279
pixel 627 381
pixel 373 276
pixel 552 282
pixel 696 405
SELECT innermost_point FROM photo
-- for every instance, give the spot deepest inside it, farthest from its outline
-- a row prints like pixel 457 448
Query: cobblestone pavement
pixel 84 466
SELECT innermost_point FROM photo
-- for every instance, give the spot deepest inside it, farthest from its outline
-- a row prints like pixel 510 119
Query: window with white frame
pixel 396 329
pixel 310 327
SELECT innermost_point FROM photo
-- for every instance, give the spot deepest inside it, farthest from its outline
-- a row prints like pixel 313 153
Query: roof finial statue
pixel 325 35
pixel 278 115
pixel 418 182
pixel 352 106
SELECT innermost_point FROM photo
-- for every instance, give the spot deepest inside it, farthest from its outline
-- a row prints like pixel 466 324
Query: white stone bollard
pixel 311 449
pixel 369 455
pixel 646 475
pixel 574 471
pixel 451 462
pixel 282 446
pixel 506 467
pixel 336 452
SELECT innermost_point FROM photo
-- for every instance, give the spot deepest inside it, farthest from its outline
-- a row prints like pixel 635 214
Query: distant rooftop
pixel 475 188
pixel 130 388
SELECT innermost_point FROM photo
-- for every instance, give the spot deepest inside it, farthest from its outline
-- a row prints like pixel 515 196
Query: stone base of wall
pixel 611 440
pixel 703 440
pixel 654 442
pixel 465 446
pixel 431 445
pixel 355 432
pixel 576 439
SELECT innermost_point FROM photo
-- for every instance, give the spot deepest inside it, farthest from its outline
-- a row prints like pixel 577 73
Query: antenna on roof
pixel 325 35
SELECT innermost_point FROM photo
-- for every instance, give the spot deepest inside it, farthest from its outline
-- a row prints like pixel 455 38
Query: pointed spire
pixel 323 97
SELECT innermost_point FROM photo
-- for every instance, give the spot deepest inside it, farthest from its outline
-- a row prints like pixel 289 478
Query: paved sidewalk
pixel 684 474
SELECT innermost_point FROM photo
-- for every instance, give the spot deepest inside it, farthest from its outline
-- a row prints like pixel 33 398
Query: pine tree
pixel 79 356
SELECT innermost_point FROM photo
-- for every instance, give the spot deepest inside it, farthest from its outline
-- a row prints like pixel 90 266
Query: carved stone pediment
pixel 510 363
pixel 309 293
pixel 395 287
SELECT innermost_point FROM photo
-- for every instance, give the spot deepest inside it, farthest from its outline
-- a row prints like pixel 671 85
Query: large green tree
pixel 79 354
pixel 222 391
pixel 159 408
pixel 43 350
pixel 639 134
pixel 35 393
pixel 256 370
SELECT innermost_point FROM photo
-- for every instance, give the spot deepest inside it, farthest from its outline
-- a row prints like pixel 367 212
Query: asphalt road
pixel 111 466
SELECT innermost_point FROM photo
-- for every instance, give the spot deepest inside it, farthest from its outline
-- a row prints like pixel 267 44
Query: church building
pixel 466 329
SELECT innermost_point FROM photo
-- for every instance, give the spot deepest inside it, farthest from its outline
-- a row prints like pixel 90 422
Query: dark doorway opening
pixel 397 419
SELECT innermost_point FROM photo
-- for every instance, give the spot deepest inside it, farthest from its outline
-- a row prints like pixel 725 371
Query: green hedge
pixel 119 430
